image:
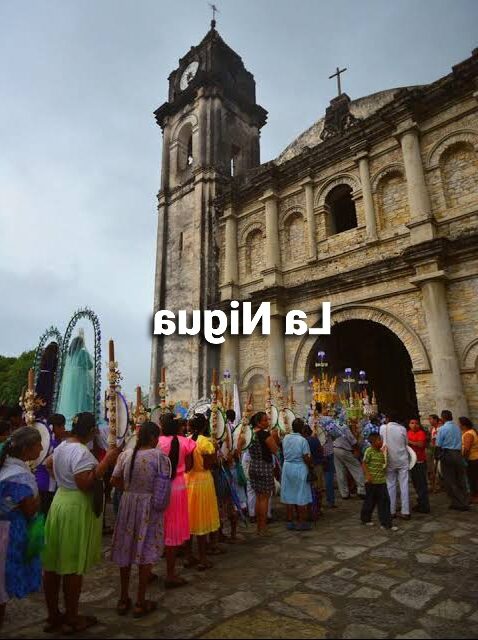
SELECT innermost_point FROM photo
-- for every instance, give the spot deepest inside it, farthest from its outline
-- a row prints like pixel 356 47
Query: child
pixel 202 502
pixel 376 492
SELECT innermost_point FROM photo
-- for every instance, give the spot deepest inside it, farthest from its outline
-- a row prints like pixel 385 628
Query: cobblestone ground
pixel 341 580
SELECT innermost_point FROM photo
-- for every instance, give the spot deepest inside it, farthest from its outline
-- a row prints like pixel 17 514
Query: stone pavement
pixel 341 580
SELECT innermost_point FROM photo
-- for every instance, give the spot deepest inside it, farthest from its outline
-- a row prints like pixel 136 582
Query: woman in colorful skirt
pixel 138 536
pixel 261 468
pixel 202 501
pixel 73 529
pixel 295 490
pixel 19 503
pixel 176 519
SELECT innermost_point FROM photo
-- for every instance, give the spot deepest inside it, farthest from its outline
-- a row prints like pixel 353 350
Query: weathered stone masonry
pixel 409 261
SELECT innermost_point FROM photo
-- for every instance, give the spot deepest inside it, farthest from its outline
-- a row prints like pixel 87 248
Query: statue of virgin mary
pixel 77 383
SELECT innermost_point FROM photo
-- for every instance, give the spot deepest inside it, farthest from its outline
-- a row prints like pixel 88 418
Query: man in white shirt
pixel 394 436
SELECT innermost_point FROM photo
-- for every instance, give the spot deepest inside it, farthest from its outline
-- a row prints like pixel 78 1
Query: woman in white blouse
pixel 74 524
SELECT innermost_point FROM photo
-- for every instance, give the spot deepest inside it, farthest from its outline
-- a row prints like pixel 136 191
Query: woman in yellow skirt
pixel 202 500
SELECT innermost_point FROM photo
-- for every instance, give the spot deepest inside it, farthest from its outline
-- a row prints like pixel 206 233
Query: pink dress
pixel 176 518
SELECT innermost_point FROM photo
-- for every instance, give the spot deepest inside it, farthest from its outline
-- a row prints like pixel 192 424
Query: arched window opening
pixel 392 200
pixel 234 160
pixel 185 147
pixel 254 253
pixel 257 388
pixel 459 174
pixel 341 208
pixel 295 243
pixel 181 241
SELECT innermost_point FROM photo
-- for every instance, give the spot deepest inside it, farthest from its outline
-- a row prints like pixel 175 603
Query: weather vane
pixel 337 74
pixel 214 11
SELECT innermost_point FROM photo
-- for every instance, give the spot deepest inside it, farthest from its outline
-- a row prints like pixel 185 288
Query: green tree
pixel 14 376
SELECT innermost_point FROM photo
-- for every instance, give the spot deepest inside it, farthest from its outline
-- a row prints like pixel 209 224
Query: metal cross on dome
pixel 337 74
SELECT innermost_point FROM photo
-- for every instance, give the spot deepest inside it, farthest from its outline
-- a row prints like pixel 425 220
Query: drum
pixel 122 417
pixel 220 424
pixel 286 418
pixel 412 458
pixel 131 442
pixel 155 414
pixel 201 406
pixel 274 416
pixel 46 441
pixel 248 434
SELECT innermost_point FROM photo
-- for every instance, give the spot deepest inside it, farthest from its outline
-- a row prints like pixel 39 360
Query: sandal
pixel 203 566
pixel 191 562
pixel 215 551
pixel 175 583
pixel 82 624
pixel 52 625
pixel 123 607
pixel 146 609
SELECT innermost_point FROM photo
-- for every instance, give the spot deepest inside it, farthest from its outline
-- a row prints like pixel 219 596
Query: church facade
pixel 374 208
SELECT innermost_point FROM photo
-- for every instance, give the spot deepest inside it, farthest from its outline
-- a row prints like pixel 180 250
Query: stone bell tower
pixel 210 125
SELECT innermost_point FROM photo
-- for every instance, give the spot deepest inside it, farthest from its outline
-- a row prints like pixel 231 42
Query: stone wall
pixel 448 145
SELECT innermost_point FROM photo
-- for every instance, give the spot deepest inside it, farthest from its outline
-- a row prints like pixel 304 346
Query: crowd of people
pixel 178 493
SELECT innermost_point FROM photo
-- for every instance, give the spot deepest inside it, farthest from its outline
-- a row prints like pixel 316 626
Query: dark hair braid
pixel 198 425
pixel 170 427
pixel 147 431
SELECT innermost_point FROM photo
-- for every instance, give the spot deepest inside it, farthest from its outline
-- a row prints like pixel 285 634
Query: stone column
pixel 230 248
pixel 230 277
pixel 309 209
pixel 449 392
pixel 273 259
pixel 202 128
pixel 370 218
pixel 422 227
pixel 272 272
pixel 165 159
pixel 276 350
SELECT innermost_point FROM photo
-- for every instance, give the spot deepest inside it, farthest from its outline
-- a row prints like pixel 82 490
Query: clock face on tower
pixel 188 74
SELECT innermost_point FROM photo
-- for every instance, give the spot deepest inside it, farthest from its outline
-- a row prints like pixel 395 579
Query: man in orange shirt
pixel 417 440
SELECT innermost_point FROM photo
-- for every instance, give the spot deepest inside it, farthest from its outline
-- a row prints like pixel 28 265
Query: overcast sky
pixel 80 151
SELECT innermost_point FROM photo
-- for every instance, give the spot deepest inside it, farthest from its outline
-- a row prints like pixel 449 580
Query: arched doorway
pixel 368 345
pixel 257 388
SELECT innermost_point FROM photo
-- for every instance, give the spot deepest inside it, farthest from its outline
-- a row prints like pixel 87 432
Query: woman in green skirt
pixel 73 529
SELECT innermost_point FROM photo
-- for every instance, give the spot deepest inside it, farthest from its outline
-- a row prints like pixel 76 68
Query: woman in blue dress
pixel 19 503
pixel 295 490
